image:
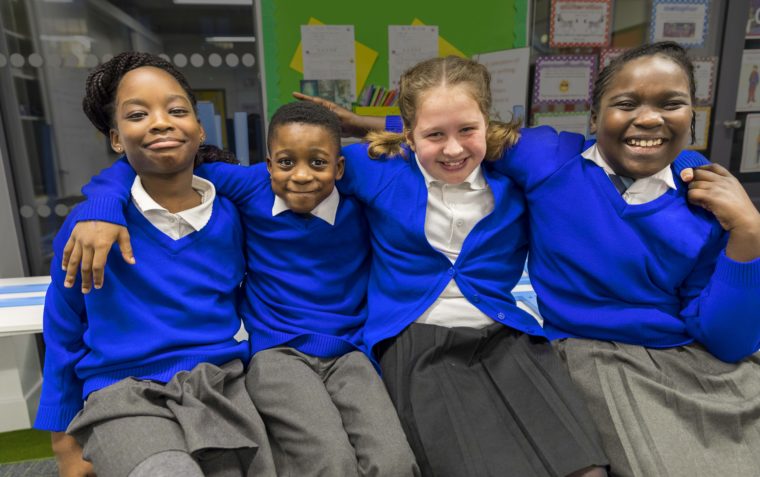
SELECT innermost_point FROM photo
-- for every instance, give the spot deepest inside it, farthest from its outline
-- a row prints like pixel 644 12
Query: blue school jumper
pixel 173 309
pixel 653 274
pixel 306 279
pixel 407 273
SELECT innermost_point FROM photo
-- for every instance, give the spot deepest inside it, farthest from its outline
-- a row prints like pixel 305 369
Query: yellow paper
pixel 365 59
pixel 444 47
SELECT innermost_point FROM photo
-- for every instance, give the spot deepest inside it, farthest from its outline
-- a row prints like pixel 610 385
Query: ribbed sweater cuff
pixel 55 418
pixel 394 124
pixel 738 274
pixel 105 209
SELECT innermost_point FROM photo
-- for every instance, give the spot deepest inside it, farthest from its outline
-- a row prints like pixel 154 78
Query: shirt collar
pixel 197 217
pixel 325 210
pixel 475 181
pixel 594 155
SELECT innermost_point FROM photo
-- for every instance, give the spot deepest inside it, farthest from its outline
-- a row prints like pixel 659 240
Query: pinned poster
pixel 509 80
pixel 682 21
pixel 329 54
pixel 704 78
pixel 751 150
pixel 580 23
pixel 563 79
pixel 407 46
pixel 747 98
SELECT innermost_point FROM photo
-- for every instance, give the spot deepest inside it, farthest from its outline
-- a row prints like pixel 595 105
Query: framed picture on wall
pixel 580 23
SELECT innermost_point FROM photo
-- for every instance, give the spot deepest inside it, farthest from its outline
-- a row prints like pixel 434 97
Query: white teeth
pixel 644 142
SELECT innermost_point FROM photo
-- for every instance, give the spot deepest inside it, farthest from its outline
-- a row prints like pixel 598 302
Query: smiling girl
pixel 653 290
pixel 478 388
pixel 146 375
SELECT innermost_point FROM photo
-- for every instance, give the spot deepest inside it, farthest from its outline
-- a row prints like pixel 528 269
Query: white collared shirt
pixel 642 190
pixel 452 212
pixel 182 223
pixel 325 210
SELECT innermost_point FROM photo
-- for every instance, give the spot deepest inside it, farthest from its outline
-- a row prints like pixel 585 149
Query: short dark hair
pixel 669 49
pixel 305 112
pixel 99 102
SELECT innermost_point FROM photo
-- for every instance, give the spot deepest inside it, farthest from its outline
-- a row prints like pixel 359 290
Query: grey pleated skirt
pixel 205 412
pixel 487 402
pixel 669 412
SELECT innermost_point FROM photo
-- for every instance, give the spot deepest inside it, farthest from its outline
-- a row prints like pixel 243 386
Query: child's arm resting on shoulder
pixel 100 223
pixel 351 124
pixel 68 456
pixel 725 317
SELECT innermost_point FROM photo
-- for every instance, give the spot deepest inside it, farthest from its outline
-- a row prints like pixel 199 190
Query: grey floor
pixel 32 468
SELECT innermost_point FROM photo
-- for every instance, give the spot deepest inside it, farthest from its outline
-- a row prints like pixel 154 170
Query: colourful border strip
pixel 37 287
pixel 28 301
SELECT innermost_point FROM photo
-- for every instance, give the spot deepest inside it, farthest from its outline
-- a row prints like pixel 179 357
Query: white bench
pixel 21 304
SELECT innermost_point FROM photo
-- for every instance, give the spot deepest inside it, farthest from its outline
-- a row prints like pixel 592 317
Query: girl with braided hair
pixel 155 385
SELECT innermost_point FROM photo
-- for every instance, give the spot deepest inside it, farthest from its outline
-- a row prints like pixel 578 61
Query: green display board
pixel 471 27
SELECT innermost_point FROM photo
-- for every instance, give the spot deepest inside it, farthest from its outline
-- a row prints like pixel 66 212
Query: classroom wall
pixel 478 26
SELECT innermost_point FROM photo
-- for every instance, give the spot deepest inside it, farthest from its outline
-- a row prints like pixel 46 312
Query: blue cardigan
pixel 407 273
pixel 306 280
pixel 173 309
pixel 654 274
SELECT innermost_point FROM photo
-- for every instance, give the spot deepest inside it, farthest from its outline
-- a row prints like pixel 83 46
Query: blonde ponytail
pixel 499 137
pixel 385 143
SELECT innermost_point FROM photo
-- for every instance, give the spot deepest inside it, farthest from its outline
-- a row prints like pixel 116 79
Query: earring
pixel 118 149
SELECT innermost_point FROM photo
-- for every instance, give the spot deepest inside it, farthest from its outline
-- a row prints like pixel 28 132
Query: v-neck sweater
pixel 652 274
pixel 173 309
pixel 407 273
pixel 306 282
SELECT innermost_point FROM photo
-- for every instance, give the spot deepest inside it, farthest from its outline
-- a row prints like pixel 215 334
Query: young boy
pixel 325 407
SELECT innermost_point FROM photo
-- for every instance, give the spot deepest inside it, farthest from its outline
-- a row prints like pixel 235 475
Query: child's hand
pixel 351 124
pixel 713 188
pixel 68 456
pixel 88 245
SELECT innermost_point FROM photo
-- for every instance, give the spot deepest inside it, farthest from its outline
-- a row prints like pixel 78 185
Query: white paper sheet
pixel 407 46
pixel 509 80
pixel 329 53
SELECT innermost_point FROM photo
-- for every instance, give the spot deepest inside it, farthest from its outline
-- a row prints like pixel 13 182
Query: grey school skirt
pixel 487 402
pixel 205 412
pixel 669 412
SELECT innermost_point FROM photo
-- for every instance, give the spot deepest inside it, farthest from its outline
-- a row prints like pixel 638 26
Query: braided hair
pixel 99 102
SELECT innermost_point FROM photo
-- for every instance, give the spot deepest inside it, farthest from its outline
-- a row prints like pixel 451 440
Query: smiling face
pixel 449 133
pixel 303 164
pixel 644 116
pixel 155 123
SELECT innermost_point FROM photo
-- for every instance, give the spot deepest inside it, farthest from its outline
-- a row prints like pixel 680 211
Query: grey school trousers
pixel 328 416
